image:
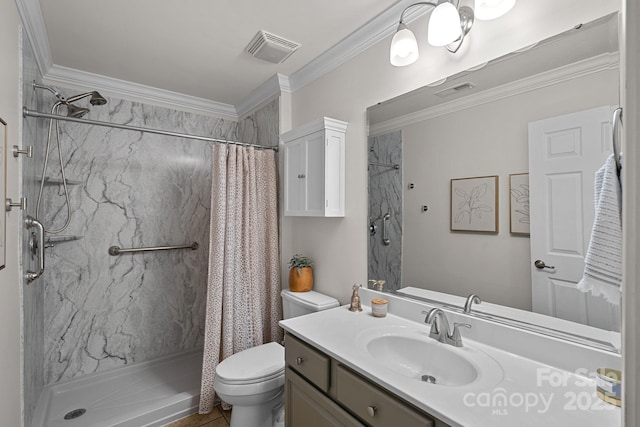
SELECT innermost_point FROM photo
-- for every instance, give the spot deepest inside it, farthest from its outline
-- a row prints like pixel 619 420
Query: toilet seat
pixel 254 365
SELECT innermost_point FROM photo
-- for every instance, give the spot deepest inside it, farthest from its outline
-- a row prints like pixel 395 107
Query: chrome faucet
pixel 440 328
pixel 470 300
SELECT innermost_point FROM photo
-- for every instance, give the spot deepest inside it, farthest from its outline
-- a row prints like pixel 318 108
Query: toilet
pixel 253 380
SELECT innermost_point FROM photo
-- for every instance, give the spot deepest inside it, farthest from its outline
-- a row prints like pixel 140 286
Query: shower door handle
pixel 385 229
pixel 36 246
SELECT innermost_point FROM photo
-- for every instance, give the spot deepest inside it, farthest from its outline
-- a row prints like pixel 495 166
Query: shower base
pixel 147 394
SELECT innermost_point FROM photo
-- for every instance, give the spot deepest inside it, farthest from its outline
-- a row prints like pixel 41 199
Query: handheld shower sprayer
pixel 72 111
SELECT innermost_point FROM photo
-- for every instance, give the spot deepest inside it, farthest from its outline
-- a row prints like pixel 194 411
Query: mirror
pixel 473 125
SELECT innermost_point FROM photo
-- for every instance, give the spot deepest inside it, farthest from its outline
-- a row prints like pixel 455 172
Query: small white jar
pixel 379 307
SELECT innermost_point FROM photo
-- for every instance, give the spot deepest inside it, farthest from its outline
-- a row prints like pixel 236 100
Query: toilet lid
pixel 255 364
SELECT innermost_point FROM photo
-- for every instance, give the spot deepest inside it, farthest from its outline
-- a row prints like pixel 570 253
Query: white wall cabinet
pixel 314 169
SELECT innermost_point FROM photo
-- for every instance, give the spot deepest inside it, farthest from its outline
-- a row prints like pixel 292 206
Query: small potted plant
pixel 300 274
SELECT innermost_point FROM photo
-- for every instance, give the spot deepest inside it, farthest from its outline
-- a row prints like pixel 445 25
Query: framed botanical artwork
pixel 519 203
pixel 474 204
pixel 3 189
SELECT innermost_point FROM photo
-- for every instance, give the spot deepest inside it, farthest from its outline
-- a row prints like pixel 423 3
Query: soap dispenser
pixel 355 299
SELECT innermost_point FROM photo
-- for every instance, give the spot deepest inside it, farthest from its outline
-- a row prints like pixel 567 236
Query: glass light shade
pixel 486 10
pixel 404 47
pixel 444 25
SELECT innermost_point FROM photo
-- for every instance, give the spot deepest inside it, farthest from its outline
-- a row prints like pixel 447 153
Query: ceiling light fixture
pixel 448 26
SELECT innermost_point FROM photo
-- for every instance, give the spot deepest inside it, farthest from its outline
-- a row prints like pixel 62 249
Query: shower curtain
pixel 243 290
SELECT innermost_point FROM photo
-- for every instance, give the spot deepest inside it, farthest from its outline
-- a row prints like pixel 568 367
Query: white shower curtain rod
pixel 30 113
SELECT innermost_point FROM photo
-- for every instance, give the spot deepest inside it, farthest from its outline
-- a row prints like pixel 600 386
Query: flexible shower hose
pixel 54 110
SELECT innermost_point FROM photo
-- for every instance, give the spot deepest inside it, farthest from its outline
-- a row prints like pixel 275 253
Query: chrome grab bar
pixel 38 245
pixel 116 250
pixel 385 165
pixel 385 229
pixel 617 121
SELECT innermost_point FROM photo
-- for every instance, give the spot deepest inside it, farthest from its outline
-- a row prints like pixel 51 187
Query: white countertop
pixel 526 393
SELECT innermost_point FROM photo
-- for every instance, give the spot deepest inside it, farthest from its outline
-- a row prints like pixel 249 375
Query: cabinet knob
pixel 371 410
pixel 299 360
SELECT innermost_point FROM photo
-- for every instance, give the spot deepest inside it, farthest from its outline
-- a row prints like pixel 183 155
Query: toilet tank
pixel 300 303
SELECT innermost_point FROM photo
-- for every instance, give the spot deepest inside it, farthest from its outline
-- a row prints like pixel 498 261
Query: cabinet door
pixel 307 407
pixel 294 181
pixel 334 173
pixel 315 179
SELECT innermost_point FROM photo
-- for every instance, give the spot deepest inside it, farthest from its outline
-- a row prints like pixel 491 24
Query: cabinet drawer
pixel 308 362
pixel 373 405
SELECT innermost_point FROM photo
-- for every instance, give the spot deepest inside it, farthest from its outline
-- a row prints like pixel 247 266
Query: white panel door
pixel 564 154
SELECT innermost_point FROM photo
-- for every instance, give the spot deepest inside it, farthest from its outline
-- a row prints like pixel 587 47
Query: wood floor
pixel 216 418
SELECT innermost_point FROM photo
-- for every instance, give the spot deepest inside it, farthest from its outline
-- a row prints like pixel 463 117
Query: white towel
pixel 603 263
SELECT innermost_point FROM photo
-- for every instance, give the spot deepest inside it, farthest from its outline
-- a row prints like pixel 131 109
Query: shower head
pixel 97 99
pixel 77 112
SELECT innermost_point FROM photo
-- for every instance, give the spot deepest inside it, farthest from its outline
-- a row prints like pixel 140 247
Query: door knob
pixel 540 264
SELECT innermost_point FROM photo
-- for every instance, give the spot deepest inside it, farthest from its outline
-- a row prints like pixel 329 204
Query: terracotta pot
pixel 301 282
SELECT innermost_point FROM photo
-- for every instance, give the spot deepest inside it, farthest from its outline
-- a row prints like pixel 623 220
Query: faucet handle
pixel 455 336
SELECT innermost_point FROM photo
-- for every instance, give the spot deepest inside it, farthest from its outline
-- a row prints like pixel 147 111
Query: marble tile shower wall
pixel 262 126
pixel 132 190
pixel 385 197
pixel 33 295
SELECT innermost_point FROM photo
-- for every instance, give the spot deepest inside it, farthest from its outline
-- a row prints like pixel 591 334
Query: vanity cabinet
pixel 320 391
pixel 314 169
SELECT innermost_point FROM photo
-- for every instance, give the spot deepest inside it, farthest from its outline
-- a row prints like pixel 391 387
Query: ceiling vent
pixel 455 89
pixel 271 48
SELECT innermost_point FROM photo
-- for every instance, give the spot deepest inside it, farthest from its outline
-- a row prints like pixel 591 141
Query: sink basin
pixel 421 360
pixel 411 353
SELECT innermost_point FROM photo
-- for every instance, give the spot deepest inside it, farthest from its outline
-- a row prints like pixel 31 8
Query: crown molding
pixel 606 61
pixel 138 92
pixel 264 93
pixel 33 23
pixel 314 126
pixel 372 32
pixel 357 42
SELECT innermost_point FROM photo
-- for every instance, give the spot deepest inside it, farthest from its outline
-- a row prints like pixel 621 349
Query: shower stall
pixel 115 340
